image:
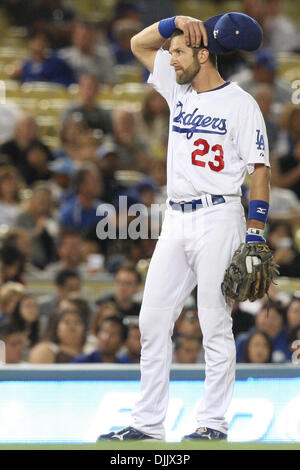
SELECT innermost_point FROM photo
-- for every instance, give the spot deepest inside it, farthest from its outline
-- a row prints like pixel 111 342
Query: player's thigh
pixel 169 278
pixel 224 231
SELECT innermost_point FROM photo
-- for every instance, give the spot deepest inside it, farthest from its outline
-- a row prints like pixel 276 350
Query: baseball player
pixel 216 134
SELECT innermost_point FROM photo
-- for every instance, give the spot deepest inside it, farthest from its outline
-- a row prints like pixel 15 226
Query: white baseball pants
pixel 194 248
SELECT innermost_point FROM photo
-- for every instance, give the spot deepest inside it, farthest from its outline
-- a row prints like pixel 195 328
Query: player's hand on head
pixel 194 30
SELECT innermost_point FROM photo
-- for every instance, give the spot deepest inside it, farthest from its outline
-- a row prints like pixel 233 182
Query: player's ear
pixel 203 56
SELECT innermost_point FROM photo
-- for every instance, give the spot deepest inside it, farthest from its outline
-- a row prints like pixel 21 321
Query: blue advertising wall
pixel 77 403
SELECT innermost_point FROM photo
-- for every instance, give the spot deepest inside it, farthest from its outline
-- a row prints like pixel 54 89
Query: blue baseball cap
pixel 265 58
pixel 231 32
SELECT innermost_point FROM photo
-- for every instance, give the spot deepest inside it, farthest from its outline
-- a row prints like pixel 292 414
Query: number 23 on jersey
pixel 203 149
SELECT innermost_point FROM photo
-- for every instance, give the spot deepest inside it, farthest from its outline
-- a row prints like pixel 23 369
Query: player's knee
pixel 219 348
pixel 153 321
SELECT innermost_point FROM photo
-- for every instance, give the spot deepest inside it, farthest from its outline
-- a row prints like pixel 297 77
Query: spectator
pixel 22 239
pixel 87 110
pixel 62 170
pixel 289 130
pixel 284 205
pixel 26 317
pixel 133 154
pixel 56 19
pixel 127 285
pixel 188 324
pixel 38 156
pixel 125 9
pixel 13 8
pixel 287 170
pixel 44 65
pixel 255 9
pixel 263 95
pixel 12 262
pixel 293 312
pixel 155 10
pixel 10 195
pixel 158 174
pixel 75 301
pixel 69 247
pixel 272 322
pixel 87 55
pixel 107 159
pixel 9 116
pixel 258 348
pixel 71 135
pixel 83 253
pixel 152 124
pixel 294 344
pixel 139 250
pixel 242 321
pixel 111 337
pixel 103 310
pixel 123 30
pixel 89 143
pixel 66 282
pixel 63 341
pixel 14 342
pixel 286 255
pixel 145 192
pixel 132 346
pixel 26 137
pixel 280 32
pixel 79 212
pixel 187 349
pixel 10 294
pixel 37 217
pixel 264 70
pixel 93 255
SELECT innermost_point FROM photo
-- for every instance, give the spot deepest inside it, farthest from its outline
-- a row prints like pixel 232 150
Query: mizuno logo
pixel 261 210
pixel 121 436
pixel 190 123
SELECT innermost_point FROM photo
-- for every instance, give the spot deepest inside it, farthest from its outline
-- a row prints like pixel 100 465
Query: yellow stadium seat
pixel 129 73
pixel 129 177
pixel 130 91
pixel 44 90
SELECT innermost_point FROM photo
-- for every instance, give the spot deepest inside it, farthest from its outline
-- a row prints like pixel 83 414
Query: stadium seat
pixel 289 66
pixel 129 177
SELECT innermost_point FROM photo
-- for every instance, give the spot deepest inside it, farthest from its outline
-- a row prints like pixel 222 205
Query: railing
pixel 30 372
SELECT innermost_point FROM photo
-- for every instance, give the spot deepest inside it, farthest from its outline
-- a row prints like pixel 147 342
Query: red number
pixel 218 158
pixel 219 154
pixel 200 152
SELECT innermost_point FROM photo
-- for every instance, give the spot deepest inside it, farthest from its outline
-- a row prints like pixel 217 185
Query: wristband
pixel 258 210
pixel 167 27
pixel 255 235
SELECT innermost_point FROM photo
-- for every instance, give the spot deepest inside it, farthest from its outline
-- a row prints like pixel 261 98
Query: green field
pixel 181 446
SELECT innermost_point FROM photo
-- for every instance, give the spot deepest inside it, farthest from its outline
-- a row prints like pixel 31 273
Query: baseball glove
pixel 251 271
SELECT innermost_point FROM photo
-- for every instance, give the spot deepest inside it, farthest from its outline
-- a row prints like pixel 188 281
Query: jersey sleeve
pixel 252 139
pixel 163 77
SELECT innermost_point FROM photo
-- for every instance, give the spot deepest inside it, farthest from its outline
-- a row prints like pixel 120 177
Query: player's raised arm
pixel 146 43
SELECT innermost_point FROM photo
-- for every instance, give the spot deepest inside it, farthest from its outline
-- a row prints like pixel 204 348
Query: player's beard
pixel 190 73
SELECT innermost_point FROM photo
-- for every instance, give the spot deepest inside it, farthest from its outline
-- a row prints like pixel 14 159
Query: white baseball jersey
pixel 214 137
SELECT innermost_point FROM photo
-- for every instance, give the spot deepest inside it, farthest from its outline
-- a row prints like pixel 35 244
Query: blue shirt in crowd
pixel 73 215
pixel 53 69
pixel 281 352
pixel 93 357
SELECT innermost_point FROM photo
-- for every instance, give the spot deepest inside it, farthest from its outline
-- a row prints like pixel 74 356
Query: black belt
pixel 195 204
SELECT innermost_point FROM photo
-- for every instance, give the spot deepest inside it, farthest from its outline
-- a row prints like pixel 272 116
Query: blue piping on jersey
pixel 214 89
pixel 183 130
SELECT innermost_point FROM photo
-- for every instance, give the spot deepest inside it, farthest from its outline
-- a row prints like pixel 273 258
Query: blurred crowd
pixel 49 196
